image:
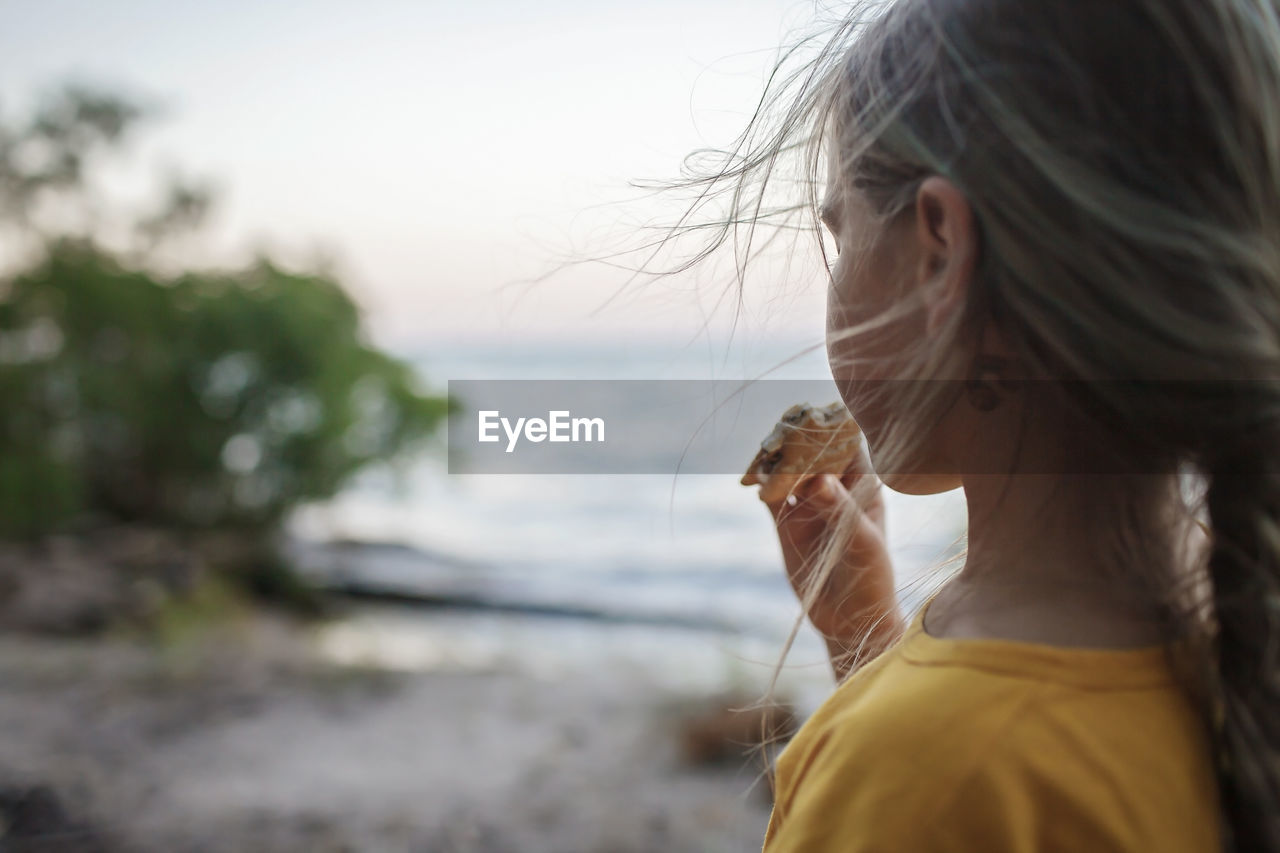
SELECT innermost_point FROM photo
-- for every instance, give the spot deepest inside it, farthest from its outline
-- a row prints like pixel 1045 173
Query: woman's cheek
pixel 838 321
pixel 858 362
pixel 842 348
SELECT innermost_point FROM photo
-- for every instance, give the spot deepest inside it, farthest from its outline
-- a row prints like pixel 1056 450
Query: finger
pixel 782 510
pixel 860 477
pixel 780 488
pixel 827 496
pixel 807 497
pixel 859 465
pixel 817 498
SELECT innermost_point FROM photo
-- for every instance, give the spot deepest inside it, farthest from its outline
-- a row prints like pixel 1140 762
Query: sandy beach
pixel 241 738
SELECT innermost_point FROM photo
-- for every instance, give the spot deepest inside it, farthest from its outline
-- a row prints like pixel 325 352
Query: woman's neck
pixel 1057 560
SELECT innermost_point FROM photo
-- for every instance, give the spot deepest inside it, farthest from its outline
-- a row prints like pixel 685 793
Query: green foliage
pixel 204 400
pixel 210 400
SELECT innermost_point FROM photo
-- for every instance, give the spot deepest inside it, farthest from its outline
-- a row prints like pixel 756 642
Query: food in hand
pixel 807 442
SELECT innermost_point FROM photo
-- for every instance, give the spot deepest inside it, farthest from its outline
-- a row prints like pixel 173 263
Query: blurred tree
pixel 47 154
pixel 48 170
pixel 205 400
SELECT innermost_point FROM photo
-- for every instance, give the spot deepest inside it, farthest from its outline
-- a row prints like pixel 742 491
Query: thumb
pixel 809 500
pixel 823 492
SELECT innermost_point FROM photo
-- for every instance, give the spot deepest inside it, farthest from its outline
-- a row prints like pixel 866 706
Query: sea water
pixel 670 577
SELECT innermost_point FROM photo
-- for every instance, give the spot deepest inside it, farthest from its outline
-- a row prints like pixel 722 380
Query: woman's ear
pixel 947 245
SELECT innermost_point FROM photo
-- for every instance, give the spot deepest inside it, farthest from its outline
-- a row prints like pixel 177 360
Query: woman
pixel 1058 288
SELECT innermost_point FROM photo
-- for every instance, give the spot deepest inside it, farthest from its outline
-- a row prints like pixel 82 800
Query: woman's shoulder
pixel 893 719
pixel 899 717
pixel 957 699
pixel 994 731
pixel 961 720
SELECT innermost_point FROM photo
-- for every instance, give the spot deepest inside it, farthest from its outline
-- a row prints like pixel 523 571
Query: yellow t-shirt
pixel 996 746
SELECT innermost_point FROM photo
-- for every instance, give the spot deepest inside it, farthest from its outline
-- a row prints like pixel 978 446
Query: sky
pixel 443 154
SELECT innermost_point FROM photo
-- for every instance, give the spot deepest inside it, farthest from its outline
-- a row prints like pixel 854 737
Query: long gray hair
pixel 1122 161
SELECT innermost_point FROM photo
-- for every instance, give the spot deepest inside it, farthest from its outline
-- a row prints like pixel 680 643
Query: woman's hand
pixel 856 610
